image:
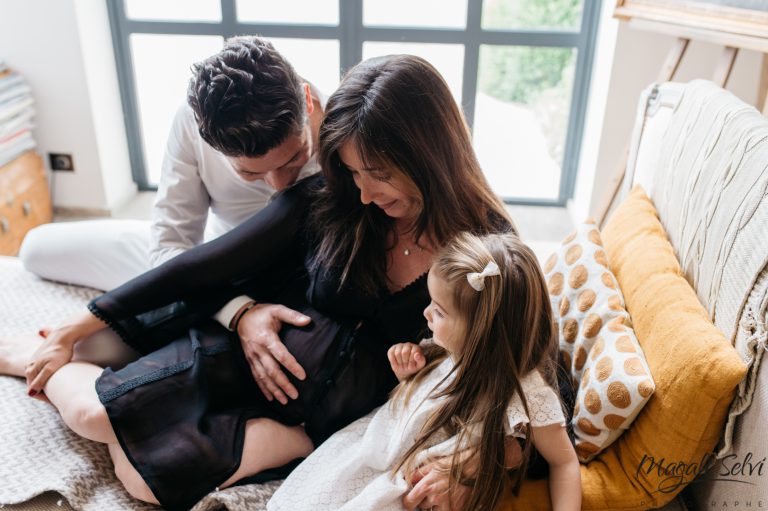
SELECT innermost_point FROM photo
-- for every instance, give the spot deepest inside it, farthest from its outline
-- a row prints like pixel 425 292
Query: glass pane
pixel 521 118
pixel 316 60
pixel 532 14
pixel 419 13
pixel 448 59
pixel 161 64
pixel 173 10
pixel 310 12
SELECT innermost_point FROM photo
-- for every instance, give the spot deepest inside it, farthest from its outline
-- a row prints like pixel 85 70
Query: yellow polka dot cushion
pixel 597 341
pixel 694 367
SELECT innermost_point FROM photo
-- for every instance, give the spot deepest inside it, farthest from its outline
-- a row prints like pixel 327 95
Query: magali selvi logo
pixel 743 469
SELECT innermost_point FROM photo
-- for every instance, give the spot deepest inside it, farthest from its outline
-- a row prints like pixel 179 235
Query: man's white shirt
pixel 196 179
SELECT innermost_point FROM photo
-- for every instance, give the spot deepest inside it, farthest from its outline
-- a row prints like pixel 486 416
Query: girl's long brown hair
pixel 508 332
pixel 399 114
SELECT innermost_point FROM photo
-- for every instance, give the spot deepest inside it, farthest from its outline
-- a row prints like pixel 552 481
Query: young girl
pixel 486 377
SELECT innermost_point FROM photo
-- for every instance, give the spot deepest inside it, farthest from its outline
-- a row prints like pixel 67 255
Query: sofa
pixel 706 169
pixel 688 246
pixel 715 212
pixel 708 212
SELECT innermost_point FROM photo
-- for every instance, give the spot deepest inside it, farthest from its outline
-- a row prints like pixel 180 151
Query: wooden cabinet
pixel 25 201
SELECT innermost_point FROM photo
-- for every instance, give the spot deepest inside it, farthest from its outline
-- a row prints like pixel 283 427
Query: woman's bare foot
pixel 16 352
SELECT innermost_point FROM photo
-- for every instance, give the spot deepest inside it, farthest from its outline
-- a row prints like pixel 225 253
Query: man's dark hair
pixel 247 98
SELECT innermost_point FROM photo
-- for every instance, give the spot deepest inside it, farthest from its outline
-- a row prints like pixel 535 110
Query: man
pixel 249 129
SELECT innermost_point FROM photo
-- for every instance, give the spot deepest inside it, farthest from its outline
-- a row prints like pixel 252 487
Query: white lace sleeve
pixel 543 404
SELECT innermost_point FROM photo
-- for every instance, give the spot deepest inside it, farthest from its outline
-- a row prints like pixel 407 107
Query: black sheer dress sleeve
pixel 255 257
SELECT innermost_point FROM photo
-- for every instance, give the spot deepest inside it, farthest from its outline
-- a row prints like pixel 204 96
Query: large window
pixel 519 68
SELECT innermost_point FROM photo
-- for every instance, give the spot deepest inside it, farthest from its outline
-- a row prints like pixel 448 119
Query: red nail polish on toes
pixel 42 334
pixel 32 393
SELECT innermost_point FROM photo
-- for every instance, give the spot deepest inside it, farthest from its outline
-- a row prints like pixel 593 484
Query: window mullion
pixel 575 130
pixel 351 29
pixel 471 59
pixel 128 98
pixel 351 34
pixel 228 18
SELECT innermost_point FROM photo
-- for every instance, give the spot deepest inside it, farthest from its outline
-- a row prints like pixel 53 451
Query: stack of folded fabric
pixel 16 113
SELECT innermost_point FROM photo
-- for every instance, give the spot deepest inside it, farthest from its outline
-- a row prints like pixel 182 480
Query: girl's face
pixel 442 317
pixel 383 187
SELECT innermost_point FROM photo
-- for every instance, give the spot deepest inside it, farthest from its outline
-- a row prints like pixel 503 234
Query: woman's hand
pixel 430 481
pixel 430 488
pixel 406 359
pixel 57 349
pixel 258 330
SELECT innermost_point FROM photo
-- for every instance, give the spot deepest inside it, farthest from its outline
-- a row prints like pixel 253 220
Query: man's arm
pixel 181 207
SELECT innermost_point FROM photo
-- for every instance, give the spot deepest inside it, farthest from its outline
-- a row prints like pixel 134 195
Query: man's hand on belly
pixel 258 329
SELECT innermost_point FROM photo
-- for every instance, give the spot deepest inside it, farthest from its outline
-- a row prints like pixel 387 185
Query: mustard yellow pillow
pixel 695 369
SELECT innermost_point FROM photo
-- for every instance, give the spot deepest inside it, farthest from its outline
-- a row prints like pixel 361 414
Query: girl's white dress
pixel 353 468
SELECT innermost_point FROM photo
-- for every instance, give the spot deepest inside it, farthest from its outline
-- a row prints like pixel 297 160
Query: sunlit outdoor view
pixel 521 117
pixel 161 65
pixel 523 100
pixel 523 93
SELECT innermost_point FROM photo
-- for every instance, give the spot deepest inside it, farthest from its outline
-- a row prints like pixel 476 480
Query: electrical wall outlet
pixel 61 161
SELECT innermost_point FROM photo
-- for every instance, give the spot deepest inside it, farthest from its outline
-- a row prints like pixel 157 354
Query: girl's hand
pixel 406 359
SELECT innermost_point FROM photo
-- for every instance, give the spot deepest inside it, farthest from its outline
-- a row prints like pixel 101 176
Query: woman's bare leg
pixel 15 352
pixel 71 389
pixel 129 476
pixel 103 348
pixel 267 444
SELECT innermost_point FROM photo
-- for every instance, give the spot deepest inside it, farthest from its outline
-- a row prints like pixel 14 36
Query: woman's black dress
pixel 179 411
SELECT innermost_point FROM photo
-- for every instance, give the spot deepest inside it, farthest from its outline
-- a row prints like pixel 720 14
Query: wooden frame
pixel 739 27
pixel 703 20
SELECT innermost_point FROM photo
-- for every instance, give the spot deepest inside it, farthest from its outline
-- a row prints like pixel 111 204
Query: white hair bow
pixel 477 280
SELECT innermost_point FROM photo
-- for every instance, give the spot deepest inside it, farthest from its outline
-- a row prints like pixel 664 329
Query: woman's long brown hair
pixel 508 332
pixel 399 114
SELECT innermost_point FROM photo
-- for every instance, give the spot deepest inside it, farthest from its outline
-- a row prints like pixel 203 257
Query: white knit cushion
pixel 597 341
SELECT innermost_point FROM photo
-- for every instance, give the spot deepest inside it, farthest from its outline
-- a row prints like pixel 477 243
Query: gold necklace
pixel 407 250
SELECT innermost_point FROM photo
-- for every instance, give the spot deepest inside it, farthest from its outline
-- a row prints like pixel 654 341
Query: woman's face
pixel 384 187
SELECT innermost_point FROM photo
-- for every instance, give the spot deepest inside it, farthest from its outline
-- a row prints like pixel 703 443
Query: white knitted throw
pixel 711 192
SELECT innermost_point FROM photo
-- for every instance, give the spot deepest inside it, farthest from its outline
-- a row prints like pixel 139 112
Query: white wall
pixel 64 50
pixel 617 82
